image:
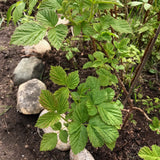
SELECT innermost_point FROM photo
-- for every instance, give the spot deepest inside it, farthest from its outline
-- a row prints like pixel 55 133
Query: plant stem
pixel 142 64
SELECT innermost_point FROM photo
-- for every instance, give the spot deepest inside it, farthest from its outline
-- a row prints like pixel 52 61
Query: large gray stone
pixel 28 97
pixel 60 145
pixel 28 68
pixel 83 155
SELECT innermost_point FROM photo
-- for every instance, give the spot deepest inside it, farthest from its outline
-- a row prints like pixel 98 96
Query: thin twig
pixel 142 64
pixel 141 110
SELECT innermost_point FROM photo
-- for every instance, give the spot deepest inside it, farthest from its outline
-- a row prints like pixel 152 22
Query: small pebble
pixel 26 146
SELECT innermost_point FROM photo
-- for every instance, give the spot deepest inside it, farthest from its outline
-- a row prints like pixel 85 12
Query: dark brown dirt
pixel 20 140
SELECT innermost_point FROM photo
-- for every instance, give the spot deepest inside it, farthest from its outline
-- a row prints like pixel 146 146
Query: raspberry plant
pixel 93 113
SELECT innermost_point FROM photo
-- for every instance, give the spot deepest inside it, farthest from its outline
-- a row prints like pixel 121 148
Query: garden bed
pixel 19 139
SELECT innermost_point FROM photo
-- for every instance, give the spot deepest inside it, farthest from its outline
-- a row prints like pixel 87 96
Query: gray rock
pixel 27 69
pixel 60 145
pixel 83 155
pixel 28 97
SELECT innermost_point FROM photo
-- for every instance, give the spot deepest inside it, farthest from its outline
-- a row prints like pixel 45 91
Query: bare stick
pixel 141 110
pixel 143 62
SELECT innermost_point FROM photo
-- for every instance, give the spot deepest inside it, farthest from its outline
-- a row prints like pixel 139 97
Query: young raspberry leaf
pixel 121 26
pixel 100 133
pixel 76 30
pixel 47 17
pixel 106 77
pixel 78 136
pixel 92 83
pixel 56 126
pixel 63 136
pixel 148 154
pixel 110 113
pixel 62 91
pixel 28 34
pixel 48 142
pixel 50 4
pixel 18 12
pixel 32 4
pixel 56 35
pixel 47 100
pixel 109 94
pixel 58 75
pixel 91 108
pixel 48 119
pixel 72 80
pixel 80 113
pixel 62 104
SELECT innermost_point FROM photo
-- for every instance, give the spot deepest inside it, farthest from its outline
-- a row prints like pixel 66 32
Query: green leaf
pixel 119 104
pixel 28 34
pixel 58 75
pixel 147 6
pixel 95 138
pixel 88 29
pixel 88 65
pixel 97 27
pixel 109 94
pixel 64 91
pixel 17 13
pixel 80 113
pixel 97 96
pixel 47 100
pixel 135 3
pixel 121 26
pixel 106 77
pixel 92 83
pixel 76 30
pixel 82 89
pixel 69 55
pixel 48 119
pixel 62 104
pixel 48 142
pixel 75 96
pixel 50 4
pixel 32 4
pixel 105 6
pixel 117 2
pixel 100 133
pixel 56 35
pixel 9 12
pixel 78 136
pixel 99 55
pixel 91 108
pixel 91 57
pixel 111 146
pixel 56 126
pixel 143 29
pixel 47 17
pixel 72 80
pixel 106 21
pixel 122 46
pixel 148 154
pixel 63 136
pixel 155 126
pixel 110 113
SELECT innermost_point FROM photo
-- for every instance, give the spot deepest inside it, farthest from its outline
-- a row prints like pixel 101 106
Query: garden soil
pixel 20 140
